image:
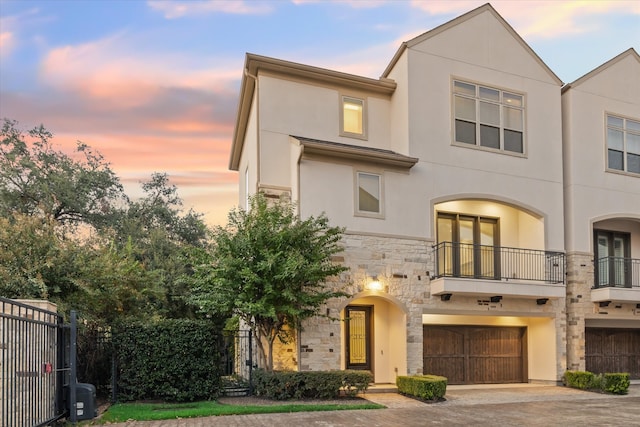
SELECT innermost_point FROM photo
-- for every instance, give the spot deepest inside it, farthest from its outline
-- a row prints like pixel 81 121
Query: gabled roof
pixel 354 152
pixel 257 63
pixel 629 52
pixel 459 20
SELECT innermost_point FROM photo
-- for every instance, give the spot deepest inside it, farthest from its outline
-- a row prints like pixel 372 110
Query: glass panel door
pixel 602 261
pixel 612 259
pixel 466 239
pixel 358 339
pixel 445 249
pixel 487 243
pixel 619 263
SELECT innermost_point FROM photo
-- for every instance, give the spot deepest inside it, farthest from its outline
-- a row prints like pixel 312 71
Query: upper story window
pixel 488 117
pixel 352 117
pixel 369 194
pixel 623 144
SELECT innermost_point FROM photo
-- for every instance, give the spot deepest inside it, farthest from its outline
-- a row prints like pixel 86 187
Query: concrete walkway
pixel 519 405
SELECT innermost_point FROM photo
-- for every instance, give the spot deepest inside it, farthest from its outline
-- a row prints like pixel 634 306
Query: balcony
pixel 617 279
pixel 497 271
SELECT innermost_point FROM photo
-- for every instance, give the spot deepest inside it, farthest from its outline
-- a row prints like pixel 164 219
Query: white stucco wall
pixel 592 193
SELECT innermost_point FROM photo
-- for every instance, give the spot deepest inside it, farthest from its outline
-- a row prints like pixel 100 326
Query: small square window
pixel 369 194
pixel 352 119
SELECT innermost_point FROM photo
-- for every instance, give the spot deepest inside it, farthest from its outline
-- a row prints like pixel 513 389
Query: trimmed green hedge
pixel 614 383
pixel 424 387
pixel 283 385
pixel 172 360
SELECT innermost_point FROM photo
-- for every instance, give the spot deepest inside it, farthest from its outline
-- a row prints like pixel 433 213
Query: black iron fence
pixel 498 263
pixel 617 272
pixel 33 365
pixel 237 353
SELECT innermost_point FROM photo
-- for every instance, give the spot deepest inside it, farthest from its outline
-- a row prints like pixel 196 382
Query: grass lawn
pixel 121 412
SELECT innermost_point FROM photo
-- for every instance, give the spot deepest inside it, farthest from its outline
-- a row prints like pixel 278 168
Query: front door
pixel 358 337
pixel 612 255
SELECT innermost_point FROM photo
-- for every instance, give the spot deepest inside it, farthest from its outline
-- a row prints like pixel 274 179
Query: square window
pixel 465 132
pixel 369 193
pixel 488 117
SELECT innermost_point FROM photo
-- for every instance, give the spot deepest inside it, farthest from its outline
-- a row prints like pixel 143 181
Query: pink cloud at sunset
pixel 154 85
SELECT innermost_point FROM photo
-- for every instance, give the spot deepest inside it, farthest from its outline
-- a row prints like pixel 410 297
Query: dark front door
pixel 358 337
pixel 475 354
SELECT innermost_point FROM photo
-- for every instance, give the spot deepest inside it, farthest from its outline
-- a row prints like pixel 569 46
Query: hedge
pixel 172 360
pixel 614 383
pixel 424 387
pixel 283 385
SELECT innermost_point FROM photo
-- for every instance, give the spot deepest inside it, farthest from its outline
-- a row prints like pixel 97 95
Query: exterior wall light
pixel 374 284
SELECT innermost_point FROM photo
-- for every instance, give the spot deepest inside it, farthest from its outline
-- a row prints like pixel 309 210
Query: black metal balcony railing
pixel 498 263
pixel 617 272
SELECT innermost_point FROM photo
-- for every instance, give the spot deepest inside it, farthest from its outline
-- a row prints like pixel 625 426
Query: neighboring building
pixel 601 134
pixel 447 173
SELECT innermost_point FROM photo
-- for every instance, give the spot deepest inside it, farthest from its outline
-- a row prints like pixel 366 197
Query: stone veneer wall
pixel 580 276
pixel 401 265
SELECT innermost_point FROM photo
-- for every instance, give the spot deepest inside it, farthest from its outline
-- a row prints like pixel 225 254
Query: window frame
pixel 625 130
pixel 480 124
pixel 381 198
pixel 363 100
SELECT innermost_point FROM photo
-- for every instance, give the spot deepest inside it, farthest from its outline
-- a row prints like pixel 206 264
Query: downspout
pixel 257 98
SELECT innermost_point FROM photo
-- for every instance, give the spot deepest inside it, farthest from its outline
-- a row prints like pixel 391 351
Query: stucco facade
pixel 458 191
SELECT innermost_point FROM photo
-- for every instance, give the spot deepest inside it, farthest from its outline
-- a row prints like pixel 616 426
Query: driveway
pixel 520 405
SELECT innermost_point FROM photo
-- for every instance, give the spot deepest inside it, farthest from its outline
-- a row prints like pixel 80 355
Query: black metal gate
pixel 237 362
pixel 33 365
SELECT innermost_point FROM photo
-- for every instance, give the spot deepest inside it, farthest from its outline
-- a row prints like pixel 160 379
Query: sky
pixel 154 85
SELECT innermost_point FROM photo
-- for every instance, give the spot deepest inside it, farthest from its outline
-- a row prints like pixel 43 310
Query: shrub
pixel 173 360
pixel 282 385
pixel 424 387
pixel 616 383
pixel 579 379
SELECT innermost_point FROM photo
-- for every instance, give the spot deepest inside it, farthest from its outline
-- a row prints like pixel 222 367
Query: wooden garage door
pixel 613 350
pixel 475 354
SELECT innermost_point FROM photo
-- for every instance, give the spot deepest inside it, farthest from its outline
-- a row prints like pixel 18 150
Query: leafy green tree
pixel 270 268
pixel 162 237
pixel 35 179
pixel 91 276
pixel 128 255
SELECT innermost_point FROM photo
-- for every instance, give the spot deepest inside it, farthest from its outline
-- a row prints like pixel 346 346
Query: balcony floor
pixel 505 288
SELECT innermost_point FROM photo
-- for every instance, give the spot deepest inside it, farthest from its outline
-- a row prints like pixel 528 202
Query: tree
pixel 35 179
pixel 162 237
pixel 45 195
pixel 269 267
pixel 93 276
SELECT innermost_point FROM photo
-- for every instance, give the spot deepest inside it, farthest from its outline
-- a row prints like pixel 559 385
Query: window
pixel 613 264
pixel 623 144
pixel 467 245
pixel 488 117
pixel 369 194
pixel 353 117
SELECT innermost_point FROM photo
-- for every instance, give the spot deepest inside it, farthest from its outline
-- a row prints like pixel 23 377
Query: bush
pixel 424 387
pixel 579 379
pixel 614 383
pixel 172 360
pixel 282 385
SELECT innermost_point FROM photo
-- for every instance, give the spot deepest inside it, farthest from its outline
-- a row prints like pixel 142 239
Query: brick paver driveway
pixel 519 406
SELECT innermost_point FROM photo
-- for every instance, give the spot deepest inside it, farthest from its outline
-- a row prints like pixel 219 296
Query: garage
pixel 475 354
pixel 613 350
